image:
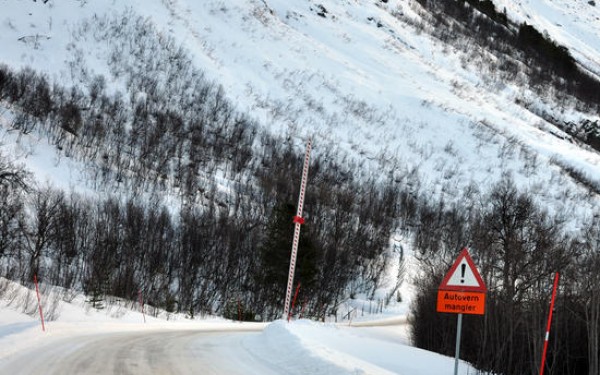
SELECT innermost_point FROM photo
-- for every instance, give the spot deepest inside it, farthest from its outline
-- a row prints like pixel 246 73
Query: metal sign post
pixel 458 336
pixel 462 291
pixel 298 220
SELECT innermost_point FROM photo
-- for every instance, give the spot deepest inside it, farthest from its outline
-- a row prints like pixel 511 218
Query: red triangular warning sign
pixel 463 275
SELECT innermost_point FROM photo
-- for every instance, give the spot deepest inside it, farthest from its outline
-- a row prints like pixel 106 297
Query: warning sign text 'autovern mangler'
pixel 462 290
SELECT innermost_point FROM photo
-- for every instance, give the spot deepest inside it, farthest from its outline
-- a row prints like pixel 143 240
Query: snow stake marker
pixel 462 291
pixel 294 302
pixel 37 292
pixel 298 221
pixel 547 337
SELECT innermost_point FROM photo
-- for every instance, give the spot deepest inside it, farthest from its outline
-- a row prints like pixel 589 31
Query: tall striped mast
pixel 298 220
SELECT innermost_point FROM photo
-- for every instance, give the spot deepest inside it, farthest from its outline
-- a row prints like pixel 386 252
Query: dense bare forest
pixel 518 247
pixel 198 254
pixel 517 244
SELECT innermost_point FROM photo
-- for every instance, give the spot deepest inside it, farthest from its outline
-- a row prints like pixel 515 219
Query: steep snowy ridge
pixel 574 24
pixel 359 76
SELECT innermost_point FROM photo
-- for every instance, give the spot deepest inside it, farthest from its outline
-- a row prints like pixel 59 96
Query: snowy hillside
pixel 360 77
pixel 574 24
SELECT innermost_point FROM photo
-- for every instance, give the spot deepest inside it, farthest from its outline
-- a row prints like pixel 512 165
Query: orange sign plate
pixel 461 302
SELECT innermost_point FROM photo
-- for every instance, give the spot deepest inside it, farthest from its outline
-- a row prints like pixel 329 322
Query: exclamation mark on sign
pixel 463 268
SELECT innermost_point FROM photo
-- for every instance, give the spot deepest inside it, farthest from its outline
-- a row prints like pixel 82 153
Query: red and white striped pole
pixel 547 337
pixel 298 220
pixel 37 292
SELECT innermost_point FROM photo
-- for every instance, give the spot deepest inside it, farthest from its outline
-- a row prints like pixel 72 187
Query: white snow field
pixel 116 340
pixel 365 80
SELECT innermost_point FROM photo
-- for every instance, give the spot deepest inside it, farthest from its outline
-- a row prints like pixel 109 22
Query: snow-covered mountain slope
pixel 364 78
pixel 574 24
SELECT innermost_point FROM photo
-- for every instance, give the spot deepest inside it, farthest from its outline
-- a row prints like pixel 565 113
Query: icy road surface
pixel 156 352
pixel 297 348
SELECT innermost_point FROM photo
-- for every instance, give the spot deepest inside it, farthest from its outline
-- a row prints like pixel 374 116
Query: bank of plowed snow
pixel 319 348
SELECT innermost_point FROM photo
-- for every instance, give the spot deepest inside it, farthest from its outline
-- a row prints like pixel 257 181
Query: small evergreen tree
pixel 274 261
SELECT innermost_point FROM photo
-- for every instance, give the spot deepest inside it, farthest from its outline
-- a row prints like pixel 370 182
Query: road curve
pixel 157 352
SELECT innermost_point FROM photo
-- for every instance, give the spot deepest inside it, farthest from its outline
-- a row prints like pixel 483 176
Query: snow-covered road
pixel 154 352
pixel 118 340
pixel 297 348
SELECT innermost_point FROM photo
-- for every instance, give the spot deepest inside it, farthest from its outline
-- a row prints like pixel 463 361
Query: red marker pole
pixel 37 291
pixel 549 324
pixel 294 302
